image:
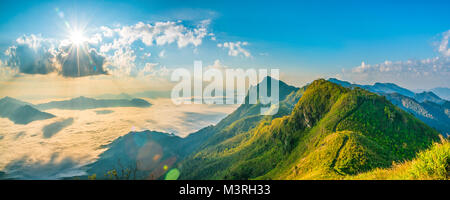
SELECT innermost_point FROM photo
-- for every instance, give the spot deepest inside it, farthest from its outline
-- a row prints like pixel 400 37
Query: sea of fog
pixel 60 147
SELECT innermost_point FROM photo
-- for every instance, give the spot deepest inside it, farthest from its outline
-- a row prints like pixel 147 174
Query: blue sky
pixel 316 38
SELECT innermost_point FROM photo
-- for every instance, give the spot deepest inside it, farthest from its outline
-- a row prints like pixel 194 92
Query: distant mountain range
pixel 83 103
pixel 21 112
pixel 379 88
pixel 115 96
pixel 434 114
pixel 428 96
pixel 323 131
pixel 145 94
pixel 442 92
pixel 426 106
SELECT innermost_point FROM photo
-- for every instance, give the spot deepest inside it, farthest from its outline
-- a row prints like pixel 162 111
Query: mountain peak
pixel 7 98
pixel 318 97
pixel 428 93
pixel 21 112
pixel 269 79
pixel 82 97
pixel 385 84
pixel 428 96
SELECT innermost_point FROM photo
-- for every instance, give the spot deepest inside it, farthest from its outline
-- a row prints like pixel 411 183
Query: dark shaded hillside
pixel 21 112
pixel 82 103
pixel 433 114
pixel 140 153
pixel 331 132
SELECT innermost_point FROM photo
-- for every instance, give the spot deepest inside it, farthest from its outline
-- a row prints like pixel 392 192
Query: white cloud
pixel 160 33
pixel 212 36
pixel 154 70
pixel 162 54
pixel 148 68
pixel 424 73
pixel 111 48
pixel 7 72
pixel 107 32
pixel 95 38
pixel 443 47
pixel 217 65
pixel 33 54
pixel 122 62
pixel 235 48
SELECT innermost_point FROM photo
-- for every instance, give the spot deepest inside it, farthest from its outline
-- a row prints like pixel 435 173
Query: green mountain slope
pixel 433 114
pixel 426 106
pixel 332 132
pixel 247 116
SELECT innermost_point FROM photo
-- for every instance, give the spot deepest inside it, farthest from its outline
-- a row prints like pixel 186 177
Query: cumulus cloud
pixel 153 70
pixel 106 31
pixel 235 48
pixel 413 73
pixel 77 63
pixel 7 72
pixel 36 55
pixel 122 61
pixel 160 33
pixel 108 50
pixel 32 55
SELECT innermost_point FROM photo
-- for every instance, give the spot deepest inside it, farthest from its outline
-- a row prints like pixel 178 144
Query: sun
pixel 77 37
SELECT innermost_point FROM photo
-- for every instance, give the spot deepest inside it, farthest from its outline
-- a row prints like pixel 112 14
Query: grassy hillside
pixel 332 132
pixel 432 164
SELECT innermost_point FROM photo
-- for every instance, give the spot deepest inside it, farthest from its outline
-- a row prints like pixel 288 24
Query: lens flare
pixel 173 174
